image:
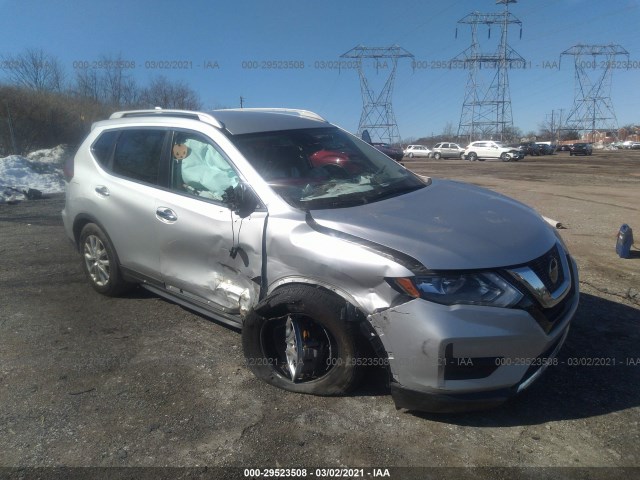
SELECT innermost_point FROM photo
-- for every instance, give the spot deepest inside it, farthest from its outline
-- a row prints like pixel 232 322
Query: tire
pixel 311 318
pixel 505 157
pixel 100 262
pixel 411 155
pixel 472 156
pixel 437 156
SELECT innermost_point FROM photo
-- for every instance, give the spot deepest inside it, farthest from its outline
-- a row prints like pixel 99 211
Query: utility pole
pixel 560 124
pixel 592 107
pixel 377 112
pixel 241 101
pixel 14 149
pixel 486 112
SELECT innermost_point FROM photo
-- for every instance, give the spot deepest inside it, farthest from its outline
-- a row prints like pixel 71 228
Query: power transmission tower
pixel 377 112
pixel 592 108
pixel 486 111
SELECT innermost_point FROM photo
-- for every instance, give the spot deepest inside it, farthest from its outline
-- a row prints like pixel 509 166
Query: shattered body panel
pixel 195 254
pixel 299 254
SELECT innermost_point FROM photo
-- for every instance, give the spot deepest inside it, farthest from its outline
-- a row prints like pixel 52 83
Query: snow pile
pixel 56 155
pixel 41 170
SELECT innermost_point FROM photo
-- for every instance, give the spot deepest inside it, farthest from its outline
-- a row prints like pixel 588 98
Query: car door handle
pixel 166 215
pixel 102 190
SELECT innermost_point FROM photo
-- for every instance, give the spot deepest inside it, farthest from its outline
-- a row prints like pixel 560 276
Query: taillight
pixel 67 169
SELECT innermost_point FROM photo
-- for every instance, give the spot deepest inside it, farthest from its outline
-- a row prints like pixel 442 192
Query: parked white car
pixel 417 151
pixel 487 149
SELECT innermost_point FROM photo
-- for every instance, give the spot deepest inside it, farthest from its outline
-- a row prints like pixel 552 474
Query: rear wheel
pixel 302 344
pixel 100 262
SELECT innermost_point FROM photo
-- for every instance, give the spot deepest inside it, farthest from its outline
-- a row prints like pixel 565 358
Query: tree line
pixel 41 106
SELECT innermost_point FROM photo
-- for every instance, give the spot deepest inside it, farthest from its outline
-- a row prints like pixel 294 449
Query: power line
pixel 486 111
pixel 377 111
pixel 592 107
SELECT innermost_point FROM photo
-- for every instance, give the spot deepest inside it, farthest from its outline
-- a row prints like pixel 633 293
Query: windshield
pixel 324 168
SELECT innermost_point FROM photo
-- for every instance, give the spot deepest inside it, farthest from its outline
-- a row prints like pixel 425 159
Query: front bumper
pixel 451 402
pixel 463 357
pixel 446 403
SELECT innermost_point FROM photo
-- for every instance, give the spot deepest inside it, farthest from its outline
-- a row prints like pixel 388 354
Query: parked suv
pixel 447 150
pixel 546 148
pixel 316 245
pixel 489 149
pixel 581 149
pixel 531 148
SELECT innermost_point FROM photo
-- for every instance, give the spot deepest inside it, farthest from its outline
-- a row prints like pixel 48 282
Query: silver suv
pixel 326 253
pixel 447 150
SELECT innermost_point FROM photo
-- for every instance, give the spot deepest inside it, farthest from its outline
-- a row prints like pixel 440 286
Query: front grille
pixel 468 368
pixel 541 268
pixel 548 317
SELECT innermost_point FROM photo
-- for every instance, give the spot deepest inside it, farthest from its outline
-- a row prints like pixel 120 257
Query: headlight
pixel 484 288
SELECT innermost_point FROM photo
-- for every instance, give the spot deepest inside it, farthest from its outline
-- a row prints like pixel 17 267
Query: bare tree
pixel 167 94
pixel 117 86
pixel 108 81
pixel 36 70
pixel 448 131
pixel 512 134
pixel 88 84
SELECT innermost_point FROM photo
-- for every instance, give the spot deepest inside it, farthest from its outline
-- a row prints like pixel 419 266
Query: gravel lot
pixel 140 382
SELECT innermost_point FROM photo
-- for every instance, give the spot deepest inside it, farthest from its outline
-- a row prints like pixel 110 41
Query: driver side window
pixel 199 168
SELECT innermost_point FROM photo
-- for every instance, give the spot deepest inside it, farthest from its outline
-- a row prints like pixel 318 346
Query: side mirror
pixel 366 137
pixel 241 200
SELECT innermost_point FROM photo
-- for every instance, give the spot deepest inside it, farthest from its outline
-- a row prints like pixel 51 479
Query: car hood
pixel 447 226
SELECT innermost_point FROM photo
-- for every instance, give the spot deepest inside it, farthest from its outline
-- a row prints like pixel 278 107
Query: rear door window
pixel 138 153
pixel 103 147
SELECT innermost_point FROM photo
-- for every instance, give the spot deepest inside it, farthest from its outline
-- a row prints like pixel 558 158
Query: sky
pixel 285 53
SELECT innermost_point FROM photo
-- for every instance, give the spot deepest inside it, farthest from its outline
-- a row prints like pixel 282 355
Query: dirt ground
pixel 89 381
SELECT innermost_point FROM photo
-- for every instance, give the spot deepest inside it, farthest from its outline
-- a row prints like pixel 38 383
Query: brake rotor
pixel 307 345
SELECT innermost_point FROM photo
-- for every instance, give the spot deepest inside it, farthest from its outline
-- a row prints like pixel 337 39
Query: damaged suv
pixel 328 255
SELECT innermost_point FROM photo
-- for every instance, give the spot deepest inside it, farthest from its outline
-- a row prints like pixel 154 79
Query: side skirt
pixel 234 321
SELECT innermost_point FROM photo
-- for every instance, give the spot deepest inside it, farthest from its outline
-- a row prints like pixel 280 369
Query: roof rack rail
pixel 203 117
pixel 287 111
